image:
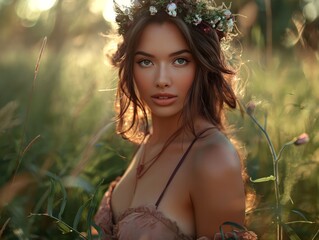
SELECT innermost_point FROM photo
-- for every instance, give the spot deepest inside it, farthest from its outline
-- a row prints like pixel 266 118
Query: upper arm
pixel 217 189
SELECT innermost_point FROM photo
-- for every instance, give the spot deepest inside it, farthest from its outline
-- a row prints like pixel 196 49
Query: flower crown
pixel 204 14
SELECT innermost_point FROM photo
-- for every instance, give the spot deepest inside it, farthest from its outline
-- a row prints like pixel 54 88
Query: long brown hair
pixel 210 92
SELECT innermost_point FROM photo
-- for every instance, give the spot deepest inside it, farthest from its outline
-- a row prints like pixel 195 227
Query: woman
pixel 185 180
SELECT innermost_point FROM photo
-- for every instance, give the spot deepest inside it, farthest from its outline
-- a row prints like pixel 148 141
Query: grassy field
pixel 58 149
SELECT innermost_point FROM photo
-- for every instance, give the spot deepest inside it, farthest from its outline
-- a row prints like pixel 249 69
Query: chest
pixel 175 203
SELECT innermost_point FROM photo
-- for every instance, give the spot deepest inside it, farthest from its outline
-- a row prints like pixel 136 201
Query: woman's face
pixel 164 69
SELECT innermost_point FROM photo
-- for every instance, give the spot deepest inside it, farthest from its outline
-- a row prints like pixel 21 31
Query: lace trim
pixel 151 210
pixel 104 218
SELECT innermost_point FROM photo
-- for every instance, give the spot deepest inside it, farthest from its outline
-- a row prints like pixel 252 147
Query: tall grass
pixel 285 105
pixel 67 168
pixel 67 126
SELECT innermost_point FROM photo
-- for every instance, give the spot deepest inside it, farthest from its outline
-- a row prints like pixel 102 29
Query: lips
pixel 164 99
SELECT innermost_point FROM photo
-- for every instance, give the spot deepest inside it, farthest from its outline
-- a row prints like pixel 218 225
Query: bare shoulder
pixel 215 155
pixel 217 188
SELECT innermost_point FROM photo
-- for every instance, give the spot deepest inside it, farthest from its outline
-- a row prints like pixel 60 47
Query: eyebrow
pixel 170 55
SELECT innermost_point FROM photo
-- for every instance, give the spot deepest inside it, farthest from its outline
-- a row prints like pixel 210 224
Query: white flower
pixel 212 23
pixel 126 11
pixel 197 20
pixel 227 13
pixel 153 10
pixel 230 24
pixel 171 9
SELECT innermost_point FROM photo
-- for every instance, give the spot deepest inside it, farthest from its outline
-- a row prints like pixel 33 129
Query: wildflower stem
pixel 275 159
pixel 271 147
pixel 282 149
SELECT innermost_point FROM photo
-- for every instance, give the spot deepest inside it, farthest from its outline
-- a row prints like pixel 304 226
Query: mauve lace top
pixel 147 222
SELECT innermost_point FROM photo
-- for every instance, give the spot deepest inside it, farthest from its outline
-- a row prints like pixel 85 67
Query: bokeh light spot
pixel 41 5
pixel 310 11
pixel 108 12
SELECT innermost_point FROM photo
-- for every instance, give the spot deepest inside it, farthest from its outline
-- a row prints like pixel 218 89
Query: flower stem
pixel 275 161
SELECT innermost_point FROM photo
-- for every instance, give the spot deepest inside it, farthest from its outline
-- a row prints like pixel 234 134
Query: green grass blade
pixel 98 229
pixel 263 179
pixel 291 233
pixel 316 234
pixel 79 214
pixel 300 214
pixel 64 228
pixel 221 231
pixel 4 227
pixel 64 199
pixel 92 209
pixel 235 225
pixel 51 197
pixel 41 201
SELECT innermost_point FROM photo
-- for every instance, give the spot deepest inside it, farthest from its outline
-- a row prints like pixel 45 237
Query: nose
pixel 163 77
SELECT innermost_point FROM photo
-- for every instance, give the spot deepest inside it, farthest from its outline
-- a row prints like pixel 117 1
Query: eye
pixel 181 61
pixel 145 63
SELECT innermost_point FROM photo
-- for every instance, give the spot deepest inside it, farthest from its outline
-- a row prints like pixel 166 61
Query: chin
pixel 166 113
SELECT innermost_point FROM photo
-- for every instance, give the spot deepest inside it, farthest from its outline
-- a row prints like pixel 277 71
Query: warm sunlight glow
pixel 41 5
pixel 108 12
pixel 311 11
pixel 97 6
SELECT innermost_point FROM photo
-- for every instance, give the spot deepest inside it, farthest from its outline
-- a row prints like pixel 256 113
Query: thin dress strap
pixel 178 166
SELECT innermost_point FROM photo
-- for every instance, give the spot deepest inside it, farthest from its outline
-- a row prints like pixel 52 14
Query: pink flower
pixel 302 139
pixel 250 236
pixel 250 107
pixel 242 235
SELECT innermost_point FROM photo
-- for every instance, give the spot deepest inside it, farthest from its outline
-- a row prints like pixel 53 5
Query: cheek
pixel 141 82
pixel 143 78
pixel 186 80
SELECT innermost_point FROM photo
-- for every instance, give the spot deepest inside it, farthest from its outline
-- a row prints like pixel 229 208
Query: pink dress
pixel 147 222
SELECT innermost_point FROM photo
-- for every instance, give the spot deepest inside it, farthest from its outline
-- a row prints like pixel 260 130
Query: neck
pixel 163 128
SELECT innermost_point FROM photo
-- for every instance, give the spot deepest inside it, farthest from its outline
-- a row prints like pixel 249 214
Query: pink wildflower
pixel 302 139
pixel 250 107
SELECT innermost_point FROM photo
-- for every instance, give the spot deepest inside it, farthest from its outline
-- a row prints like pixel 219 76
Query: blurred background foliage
pixel 60 125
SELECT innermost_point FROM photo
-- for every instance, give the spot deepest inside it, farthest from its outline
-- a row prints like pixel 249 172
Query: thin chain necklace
pixel 143 166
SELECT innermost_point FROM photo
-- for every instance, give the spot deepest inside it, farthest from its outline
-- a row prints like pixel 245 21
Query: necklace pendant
pixel 139 169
